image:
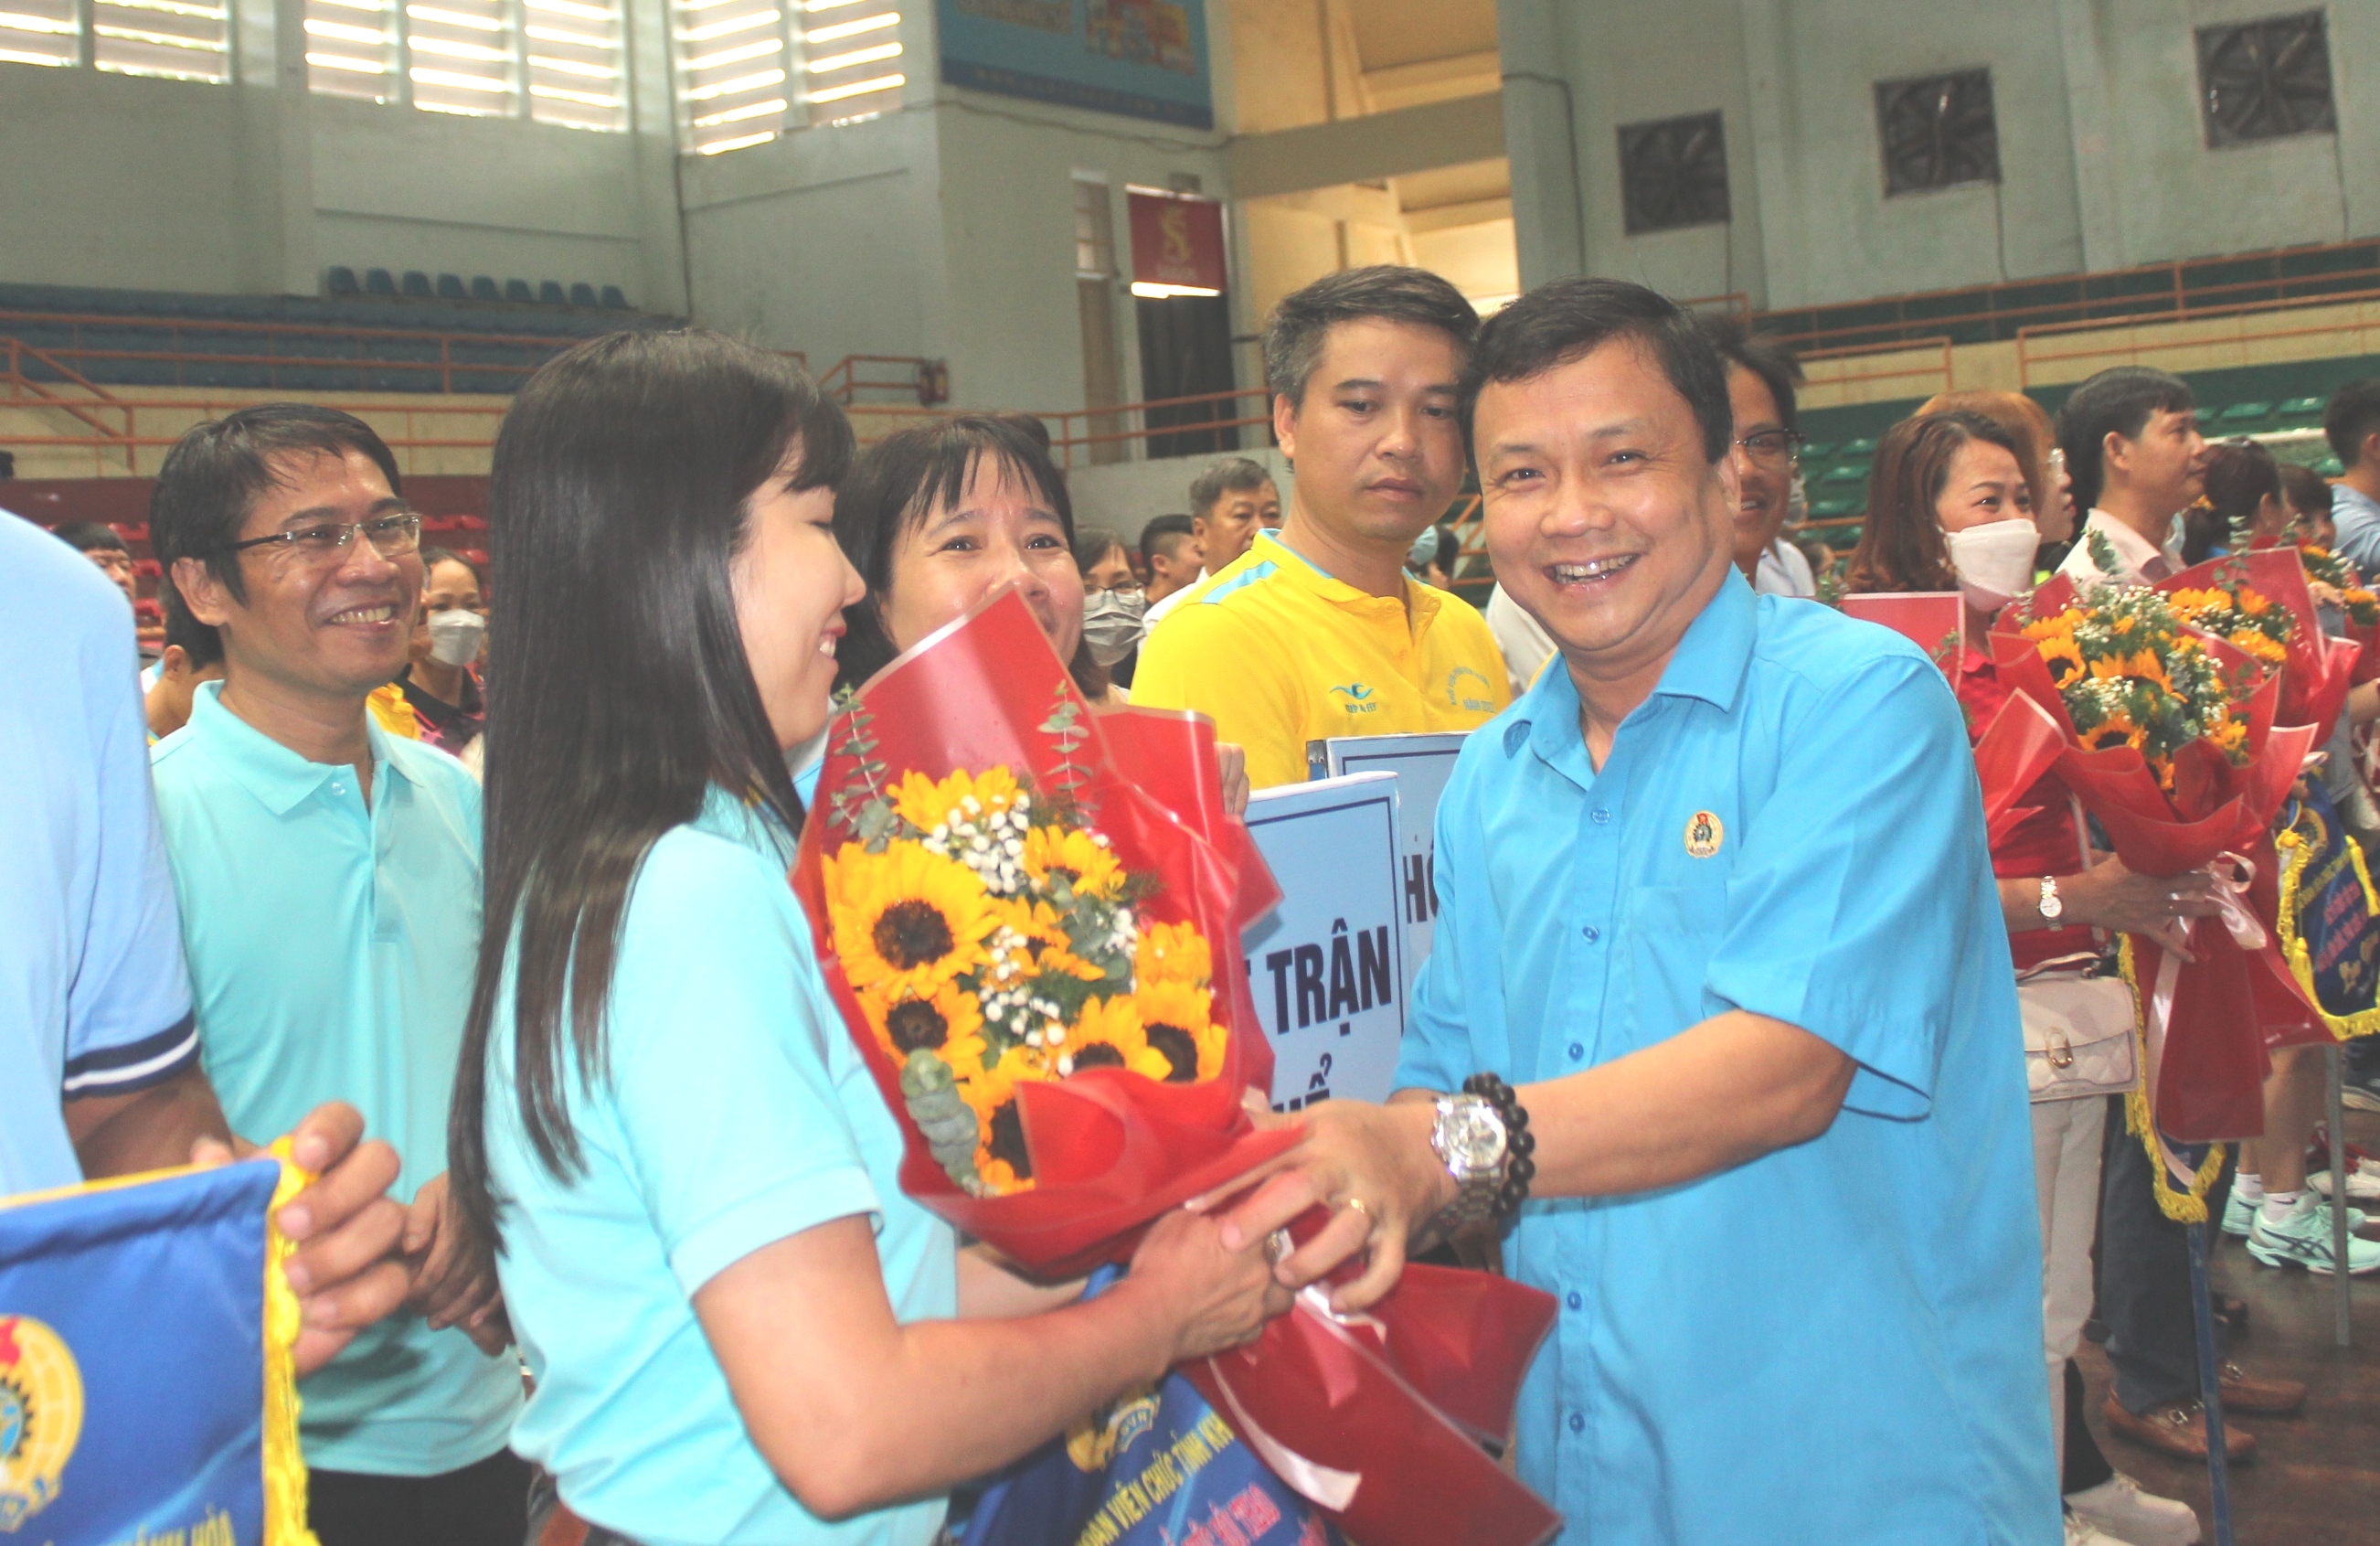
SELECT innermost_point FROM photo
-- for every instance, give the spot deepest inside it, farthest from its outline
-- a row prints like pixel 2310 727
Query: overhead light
pixel 1159 292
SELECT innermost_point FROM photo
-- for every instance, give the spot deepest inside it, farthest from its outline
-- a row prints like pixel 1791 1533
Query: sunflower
pixel 1046 944
pixel 2116 730
pixel 2257 645
pixel 1002 1157
pixel 2060 651
pixel 1109 1036
pixel 1177 1020
pixel 947 1022
pixel 1072 854
pixel 924 804
pixel 1172 953
pixel 905 922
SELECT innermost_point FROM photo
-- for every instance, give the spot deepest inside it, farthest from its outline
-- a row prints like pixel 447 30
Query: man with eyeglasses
pixel 329 879
pixel 1761 374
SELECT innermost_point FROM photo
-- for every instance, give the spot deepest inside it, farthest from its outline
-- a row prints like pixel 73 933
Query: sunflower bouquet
pixel 2335 579
pixel 2130 672
pixel 994 938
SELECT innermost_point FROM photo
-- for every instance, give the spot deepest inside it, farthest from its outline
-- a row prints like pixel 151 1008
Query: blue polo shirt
pixel 734 1111
pixel 332 949
pixel 1839 1341
pixel 94 999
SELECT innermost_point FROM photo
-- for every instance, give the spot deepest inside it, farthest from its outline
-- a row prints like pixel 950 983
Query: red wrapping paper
pixel 1438 1362
pixel 2228 1000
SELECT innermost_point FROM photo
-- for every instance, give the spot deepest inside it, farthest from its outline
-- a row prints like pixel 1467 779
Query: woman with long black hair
pixel 740 1330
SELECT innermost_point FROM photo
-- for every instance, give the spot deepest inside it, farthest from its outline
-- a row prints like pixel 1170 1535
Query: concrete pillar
pixel 1541 140
pixel 1778 275
pixel 276 151
pixel 652 125
pixel 2092 117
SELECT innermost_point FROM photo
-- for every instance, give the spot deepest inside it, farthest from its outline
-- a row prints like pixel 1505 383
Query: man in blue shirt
pixel 329 880
pixel 98 1053
pixel 2351 424
pixel 1715 894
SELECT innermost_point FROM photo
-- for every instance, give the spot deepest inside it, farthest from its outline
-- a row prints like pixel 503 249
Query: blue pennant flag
pixel 144 1394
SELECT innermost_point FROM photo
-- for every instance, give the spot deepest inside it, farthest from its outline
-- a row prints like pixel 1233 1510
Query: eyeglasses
pixel 1121 587
pixel 1773 448
pixel 392 536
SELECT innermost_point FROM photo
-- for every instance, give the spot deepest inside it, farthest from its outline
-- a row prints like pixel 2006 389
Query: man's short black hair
pixel 210 479
pixel 1294 335
pixel 1231 475
pixel 1765 357
pixel 1569 319
pixel 2117 401
pixel 1163 534
pixel 89 536
pixel 2353 414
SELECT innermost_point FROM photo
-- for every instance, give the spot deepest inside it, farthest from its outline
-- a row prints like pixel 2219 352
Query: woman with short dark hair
pixel 741 1331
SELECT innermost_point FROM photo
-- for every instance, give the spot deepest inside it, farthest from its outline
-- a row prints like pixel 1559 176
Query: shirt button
pixel 1592 934
pixel 1577 1051
pixel 1577 1423
pixel 1574 1301
pixel 1599 815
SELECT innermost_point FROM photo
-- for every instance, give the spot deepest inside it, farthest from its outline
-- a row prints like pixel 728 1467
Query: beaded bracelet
pixel 1519 1142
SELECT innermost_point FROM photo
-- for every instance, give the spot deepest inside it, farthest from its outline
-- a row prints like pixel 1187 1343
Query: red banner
pixel 1177 242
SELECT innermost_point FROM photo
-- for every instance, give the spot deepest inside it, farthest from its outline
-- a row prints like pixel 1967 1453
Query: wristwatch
pixel 2051 908
pixel 1471 1140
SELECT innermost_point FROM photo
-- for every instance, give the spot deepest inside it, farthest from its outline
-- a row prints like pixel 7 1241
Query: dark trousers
pixel 2144 1277
pixel 2086 1466
pixel 486 1504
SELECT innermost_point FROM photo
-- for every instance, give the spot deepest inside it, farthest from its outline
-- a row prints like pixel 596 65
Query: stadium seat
pixel 343 281
pixel 450 287
pixel 380 282
pixel 1834 508
pixel 2301 407
pixel 615 297
pixel 416 284
pixel 1817 450
pixel 469 523
pixel 2330 467
pixel 1846 472
pixel 1863 447
pixel 2245 413
pixel 582 293
pixel 485 288
pixel 551 293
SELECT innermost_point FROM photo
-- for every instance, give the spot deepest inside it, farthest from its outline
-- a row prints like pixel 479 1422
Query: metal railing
pixel 1206 417
pixel 2030 356
pixel 1933 371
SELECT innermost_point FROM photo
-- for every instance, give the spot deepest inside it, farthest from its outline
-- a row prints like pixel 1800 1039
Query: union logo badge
pixel 40 1415
pixel 1705 833
pixel 1093 1441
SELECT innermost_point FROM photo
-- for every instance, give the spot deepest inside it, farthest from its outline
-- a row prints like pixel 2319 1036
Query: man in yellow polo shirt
pixel 1318 630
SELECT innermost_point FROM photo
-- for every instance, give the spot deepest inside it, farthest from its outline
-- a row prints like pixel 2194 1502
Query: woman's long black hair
pixel 896 484
pixel 619 497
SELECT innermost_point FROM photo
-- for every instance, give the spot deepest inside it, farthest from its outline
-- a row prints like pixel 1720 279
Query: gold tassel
pixel 2181 1207
pixel 285 1462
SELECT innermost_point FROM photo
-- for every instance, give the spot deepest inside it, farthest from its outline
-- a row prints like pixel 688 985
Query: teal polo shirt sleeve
pixel 720 1065
pixel 1820 904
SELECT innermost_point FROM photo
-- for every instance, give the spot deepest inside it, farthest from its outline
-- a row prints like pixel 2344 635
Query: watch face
pixel 1474 1136
pixel 2052 904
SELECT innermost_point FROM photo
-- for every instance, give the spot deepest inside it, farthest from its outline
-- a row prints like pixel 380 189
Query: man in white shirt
pixel 2133 447
pixel 1229 504
pixel 1761 374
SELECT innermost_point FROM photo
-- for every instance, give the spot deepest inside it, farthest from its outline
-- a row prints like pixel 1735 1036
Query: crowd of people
pixel 1720 927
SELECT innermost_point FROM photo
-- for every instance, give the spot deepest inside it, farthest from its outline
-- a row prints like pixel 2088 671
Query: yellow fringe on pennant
pixel 2181 1207
pixel 285 1463
pixel 2296 854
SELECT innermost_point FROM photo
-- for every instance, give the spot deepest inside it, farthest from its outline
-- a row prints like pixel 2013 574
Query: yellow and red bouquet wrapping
pixel 1028 912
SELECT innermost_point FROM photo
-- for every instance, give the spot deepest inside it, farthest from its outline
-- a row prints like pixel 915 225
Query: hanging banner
pixel 1327 965
pixel 1423 763
pixel 1137 58
pixel 1177 242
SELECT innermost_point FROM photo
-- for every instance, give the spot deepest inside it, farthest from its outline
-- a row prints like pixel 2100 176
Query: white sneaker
pixel 2362 1182
pixel 2305 1238
pixel 2117 1508
pixel 2081 1532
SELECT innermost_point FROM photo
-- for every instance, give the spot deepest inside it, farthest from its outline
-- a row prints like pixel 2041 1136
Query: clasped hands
pixel 1371 1166
pixel 361 1255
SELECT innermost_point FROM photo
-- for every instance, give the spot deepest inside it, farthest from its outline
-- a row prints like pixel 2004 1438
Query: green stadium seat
pixel 2245 413
pixel 1863 447
pixel 1843 538
pixel 2207 416
pixel 2329 467
pixel 2301 407
pixel 1817 450
pixel 1846 472
pixel 1834 508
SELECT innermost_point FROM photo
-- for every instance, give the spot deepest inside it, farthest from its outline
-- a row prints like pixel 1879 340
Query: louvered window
pixel 183 40
pixel 747 70
pixel 556 61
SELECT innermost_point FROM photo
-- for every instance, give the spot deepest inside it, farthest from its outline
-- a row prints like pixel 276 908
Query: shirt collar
pixel 2131 546
pixel 1709 664
pixel 278 777
pixel 1305 573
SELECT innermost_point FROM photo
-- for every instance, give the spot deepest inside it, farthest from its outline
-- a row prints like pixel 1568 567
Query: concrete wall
pixel 2103 161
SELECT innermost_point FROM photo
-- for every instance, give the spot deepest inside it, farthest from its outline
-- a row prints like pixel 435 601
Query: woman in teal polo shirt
pixel 739 1329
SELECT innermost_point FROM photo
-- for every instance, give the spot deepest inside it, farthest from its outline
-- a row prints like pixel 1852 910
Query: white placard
pixel 1327 967
pixel 1423 763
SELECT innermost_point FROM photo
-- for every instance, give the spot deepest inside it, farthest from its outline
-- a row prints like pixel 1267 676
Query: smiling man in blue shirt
pixel 329 881
pixel 1715 894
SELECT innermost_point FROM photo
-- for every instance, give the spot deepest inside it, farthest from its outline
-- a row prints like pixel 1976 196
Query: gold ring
pixel 1357 1204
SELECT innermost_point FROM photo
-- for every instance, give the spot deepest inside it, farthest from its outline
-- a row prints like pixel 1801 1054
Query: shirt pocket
pixel 1667 937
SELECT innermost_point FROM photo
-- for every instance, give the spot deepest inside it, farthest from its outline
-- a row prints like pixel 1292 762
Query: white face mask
pixel 454 636
pixel 1113 625
pixel 1994 561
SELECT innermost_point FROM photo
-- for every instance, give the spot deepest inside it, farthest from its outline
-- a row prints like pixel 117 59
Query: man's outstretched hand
pixel 345 1269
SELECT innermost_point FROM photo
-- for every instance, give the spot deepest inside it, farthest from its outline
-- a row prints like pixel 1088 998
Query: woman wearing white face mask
pixel 1949 509
pixel 442 680
pixel 1116 603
